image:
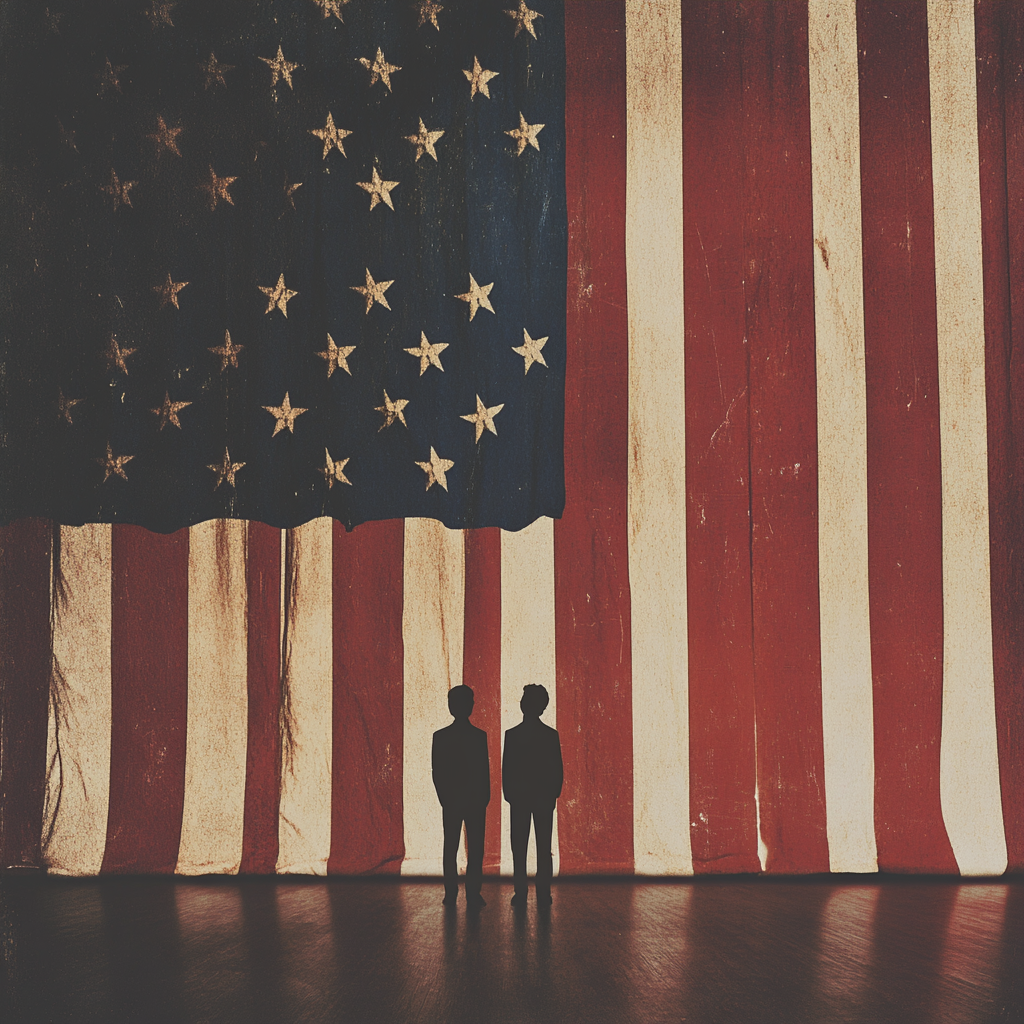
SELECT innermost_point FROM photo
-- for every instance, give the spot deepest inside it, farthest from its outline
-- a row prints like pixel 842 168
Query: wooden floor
pixel 151 950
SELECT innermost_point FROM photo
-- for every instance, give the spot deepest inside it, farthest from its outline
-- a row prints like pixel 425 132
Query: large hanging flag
pixel 780 616
pixel 283 260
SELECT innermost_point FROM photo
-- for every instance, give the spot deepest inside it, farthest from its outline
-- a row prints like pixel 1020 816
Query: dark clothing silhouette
pixel 462 778
pixel 531 778
pixel 543 821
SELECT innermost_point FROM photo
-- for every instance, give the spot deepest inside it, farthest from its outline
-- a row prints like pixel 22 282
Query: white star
pixel 159 12
pixel 424 141
pixel 112 464
pixel 330 7
pixel 380 190
pixel 217 188
pixel 333 470
pixel 117 356
pixel 165 137
pixel 477 296
pixel 168 292
pixel 228 352
pixel 530 350
pixel 278 296
pixel 168 412
pixel 379 68
pixel 428 354
pixel 428 11
pixel 332 136
pixel 280 68
pixel 392 410
pixel 436 469
pixel 524 18
pixel 289 195
pixel 337 356
pixel 285 415
pixel 478 79
pixel 214 72
pixel 118 190
pixel 525 134
pixel 373 291
pixel 226 470
pixel 484 417
pixel 108 76
pixel 65 405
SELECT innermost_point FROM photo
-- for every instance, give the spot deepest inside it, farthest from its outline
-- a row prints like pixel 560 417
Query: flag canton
pixel 282 260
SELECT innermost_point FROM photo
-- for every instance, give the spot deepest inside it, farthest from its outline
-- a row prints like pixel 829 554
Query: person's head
pixel 535 700
pixel 460 701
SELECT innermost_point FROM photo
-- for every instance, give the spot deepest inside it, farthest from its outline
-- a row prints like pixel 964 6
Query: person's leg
pixel 543 818
pixel 475 822
pixel 519 816
pixel 449 858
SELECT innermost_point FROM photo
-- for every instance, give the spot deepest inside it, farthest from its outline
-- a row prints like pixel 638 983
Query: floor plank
pixel 282 950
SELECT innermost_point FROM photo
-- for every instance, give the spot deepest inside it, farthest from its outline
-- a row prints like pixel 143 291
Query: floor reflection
pixel 280 950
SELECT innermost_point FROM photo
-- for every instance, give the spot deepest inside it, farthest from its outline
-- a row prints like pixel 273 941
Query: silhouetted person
pixel 531 778
pixel 462 778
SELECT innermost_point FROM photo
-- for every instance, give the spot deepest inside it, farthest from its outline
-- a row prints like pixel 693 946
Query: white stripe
pixel 657 471
pixel 969 759
pixel 846 684
pixel 304 831
pixel 81 650
pixel 527 646
pixel 218 700
pixel 432 633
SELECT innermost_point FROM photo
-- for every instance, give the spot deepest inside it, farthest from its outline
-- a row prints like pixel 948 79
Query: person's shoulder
pixel 441 734
pixel 515 730
pixel 546 730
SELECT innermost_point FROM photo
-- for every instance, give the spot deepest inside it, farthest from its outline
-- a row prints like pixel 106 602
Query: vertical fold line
pixel 779 268
pixel 304 833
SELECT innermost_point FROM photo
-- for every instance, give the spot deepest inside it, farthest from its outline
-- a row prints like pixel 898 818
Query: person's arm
pixel 487 767
pixel 558 776
pixel 508 768
pixel 437 771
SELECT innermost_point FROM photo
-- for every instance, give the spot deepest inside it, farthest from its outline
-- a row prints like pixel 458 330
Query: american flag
pixel 267 264
pixel 780 615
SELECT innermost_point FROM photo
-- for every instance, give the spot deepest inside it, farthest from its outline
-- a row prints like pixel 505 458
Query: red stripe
pixel 904 481
pixel 723 815
pixel 779 283
pixel 592 612
pixel 149 699
pixel 481 666
pixel 366 794
pixel 25 657
pixel 999 26
pixel 263 754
